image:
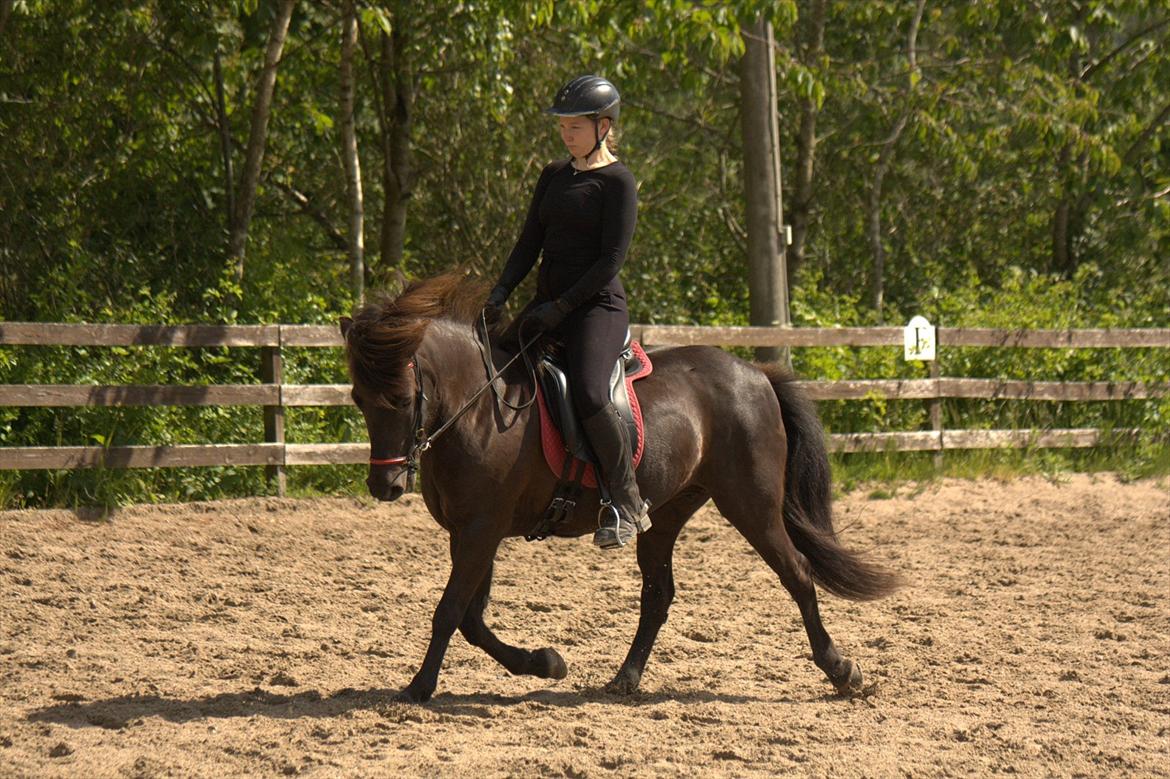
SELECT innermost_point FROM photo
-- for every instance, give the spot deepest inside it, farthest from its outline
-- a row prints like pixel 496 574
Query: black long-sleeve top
pixel 583 221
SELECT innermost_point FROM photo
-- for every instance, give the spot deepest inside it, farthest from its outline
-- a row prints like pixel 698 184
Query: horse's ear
pixel 346 323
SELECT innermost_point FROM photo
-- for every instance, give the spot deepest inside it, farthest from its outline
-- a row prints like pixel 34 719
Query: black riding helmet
pixel 591 96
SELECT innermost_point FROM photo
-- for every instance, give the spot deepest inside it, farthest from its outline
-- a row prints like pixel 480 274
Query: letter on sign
pixel 919 339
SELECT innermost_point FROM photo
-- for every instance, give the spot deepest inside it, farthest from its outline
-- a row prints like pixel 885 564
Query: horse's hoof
pixel 848 681
pixel 548 664
pixel 625 683
pixel 412 694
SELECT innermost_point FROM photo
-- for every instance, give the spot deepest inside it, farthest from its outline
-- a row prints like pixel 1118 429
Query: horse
pixel 717 428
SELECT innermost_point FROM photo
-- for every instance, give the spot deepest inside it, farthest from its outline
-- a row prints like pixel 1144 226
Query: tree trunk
pixel 806 142
pixel 874 215
pixel 397 177
pixel 254 155
pixel 885 160
pixel 349 155
pixel 5 11
pixel 225 143
pixel 1063 261
pixel 767 285
pixel 1061 249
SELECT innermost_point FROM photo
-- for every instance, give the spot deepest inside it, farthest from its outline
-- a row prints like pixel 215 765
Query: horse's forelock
pixel 378 349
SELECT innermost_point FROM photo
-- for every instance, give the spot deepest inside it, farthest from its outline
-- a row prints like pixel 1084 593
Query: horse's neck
pixel 456 358
pixel 451 349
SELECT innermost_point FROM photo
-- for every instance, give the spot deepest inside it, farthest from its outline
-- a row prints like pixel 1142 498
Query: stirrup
pixel 619 531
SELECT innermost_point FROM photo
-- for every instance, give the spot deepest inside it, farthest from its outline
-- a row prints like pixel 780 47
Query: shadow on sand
pixel 124 711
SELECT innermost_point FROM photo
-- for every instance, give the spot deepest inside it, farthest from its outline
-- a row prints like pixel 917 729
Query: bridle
pixel 422 440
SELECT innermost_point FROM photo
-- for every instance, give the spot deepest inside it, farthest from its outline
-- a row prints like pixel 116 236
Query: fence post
pixel 935 404
pixel 271 371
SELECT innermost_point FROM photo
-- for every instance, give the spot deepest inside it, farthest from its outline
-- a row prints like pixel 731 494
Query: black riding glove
pixel 493 307
pixel 548 315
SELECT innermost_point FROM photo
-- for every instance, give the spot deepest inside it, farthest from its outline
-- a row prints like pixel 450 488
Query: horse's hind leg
pixel 655 553
pixel 758 517
pixel 545 663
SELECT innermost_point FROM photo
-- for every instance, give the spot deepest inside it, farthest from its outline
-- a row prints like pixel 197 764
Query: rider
pixel 582 217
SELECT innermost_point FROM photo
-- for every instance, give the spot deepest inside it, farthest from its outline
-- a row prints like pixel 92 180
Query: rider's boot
pixel 629 514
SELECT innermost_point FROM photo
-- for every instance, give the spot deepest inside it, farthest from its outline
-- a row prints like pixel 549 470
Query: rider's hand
pixel 548 315
pixel 493 307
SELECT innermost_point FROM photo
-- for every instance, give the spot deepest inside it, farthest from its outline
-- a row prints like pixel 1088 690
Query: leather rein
pixel 423 440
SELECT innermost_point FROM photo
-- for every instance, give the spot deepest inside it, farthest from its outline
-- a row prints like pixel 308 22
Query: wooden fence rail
pixel 293 395
pixel 45 334
pixel 275 396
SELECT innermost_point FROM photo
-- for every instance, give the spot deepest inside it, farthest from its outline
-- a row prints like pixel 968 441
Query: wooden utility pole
pixel 767 271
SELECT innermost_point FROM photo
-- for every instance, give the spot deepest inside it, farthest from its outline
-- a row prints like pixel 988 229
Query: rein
pixel 485 351
pixel 423 440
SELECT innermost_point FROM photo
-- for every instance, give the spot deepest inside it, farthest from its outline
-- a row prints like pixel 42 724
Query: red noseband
pixel 388 461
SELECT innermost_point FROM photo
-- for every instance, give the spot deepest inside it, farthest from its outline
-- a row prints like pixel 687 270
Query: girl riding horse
pixel 582 219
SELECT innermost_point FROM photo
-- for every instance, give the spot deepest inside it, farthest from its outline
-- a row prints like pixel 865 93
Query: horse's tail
pixel 808 501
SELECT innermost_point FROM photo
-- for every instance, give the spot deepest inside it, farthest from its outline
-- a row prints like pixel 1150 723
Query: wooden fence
pixel 275 396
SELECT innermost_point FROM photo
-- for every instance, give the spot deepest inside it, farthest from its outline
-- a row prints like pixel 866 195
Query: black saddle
pixel 554 383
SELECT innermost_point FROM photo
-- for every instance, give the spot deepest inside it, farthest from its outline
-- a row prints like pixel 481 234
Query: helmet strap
pixel 601 136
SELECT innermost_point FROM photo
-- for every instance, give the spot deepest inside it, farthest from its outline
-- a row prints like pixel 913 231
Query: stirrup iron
pixel 619 531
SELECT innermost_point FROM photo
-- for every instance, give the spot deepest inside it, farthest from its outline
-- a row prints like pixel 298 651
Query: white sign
pixel 918 337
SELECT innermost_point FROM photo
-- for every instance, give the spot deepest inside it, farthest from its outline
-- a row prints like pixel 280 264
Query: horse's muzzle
pixel 386 483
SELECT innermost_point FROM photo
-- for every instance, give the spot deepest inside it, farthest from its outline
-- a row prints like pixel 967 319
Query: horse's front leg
pixel 544 663
pixel 473 549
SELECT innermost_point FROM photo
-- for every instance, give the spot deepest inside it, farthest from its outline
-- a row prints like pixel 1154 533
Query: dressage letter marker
pixel 919 340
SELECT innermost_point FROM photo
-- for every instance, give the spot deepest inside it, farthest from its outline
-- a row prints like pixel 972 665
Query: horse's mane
pixel 387 330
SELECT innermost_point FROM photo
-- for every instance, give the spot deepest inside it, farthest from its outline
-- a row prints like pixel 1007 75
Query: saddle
pixel 557 401
pixel 565 447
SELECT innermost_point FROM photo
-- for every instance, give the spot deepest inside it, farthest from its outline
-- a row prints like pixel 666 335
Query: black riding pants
pixel 594 335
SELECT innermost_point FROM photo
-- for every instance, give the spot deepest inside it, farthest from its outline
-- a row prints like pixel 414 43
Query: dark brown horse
pixel 716 427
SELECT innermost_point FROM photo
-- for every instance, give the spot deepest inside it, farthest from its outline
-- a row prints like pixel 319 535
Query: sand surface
pixel 267 637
